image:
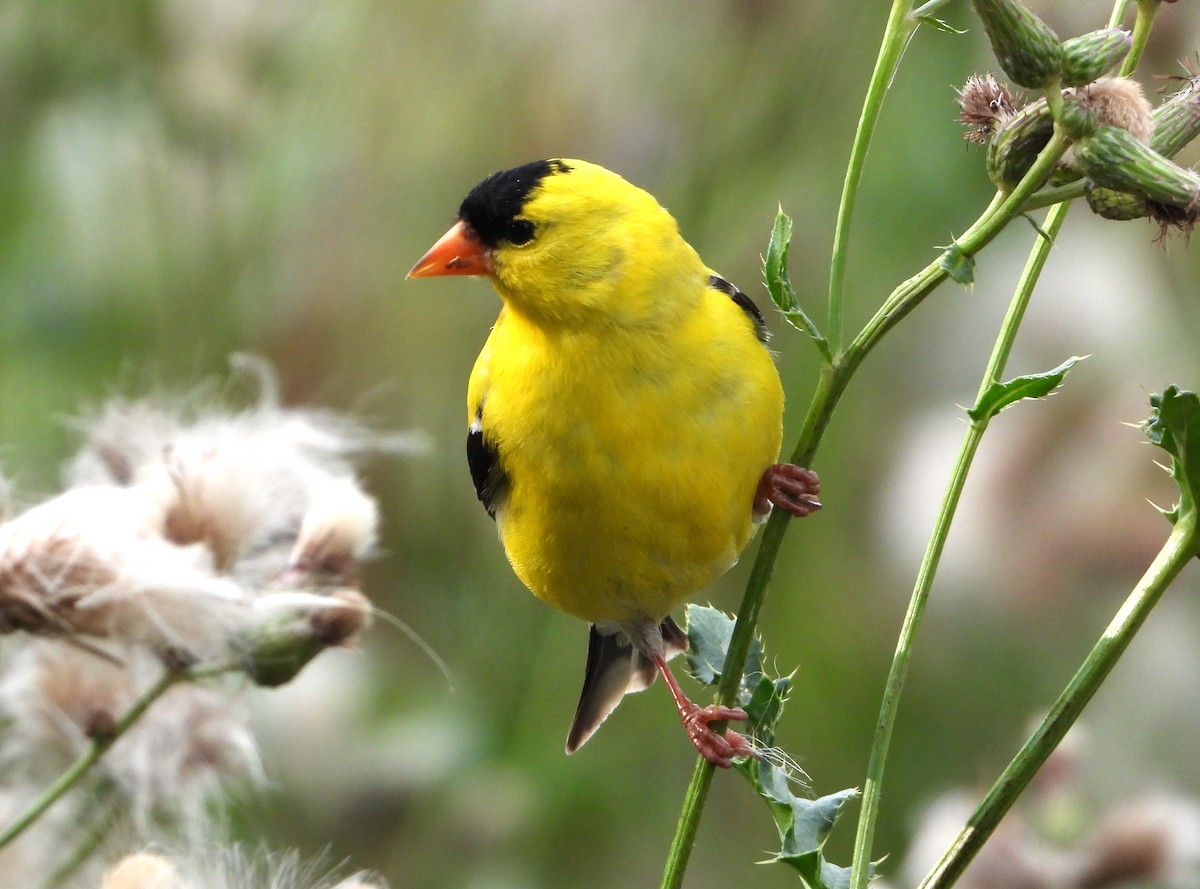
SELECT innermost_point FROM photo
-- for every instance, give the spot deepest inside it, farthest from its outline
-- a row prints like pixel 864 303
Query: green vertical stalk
pixel 899 29
pixel 873 783
pixel 1178 551
pixel 87 759
pixel 830 385
pixel 102 743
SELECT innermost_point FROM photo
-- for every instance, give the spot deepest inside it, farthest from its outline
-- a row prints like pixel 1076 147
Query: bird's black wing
pixel 745 303
pixel 491 481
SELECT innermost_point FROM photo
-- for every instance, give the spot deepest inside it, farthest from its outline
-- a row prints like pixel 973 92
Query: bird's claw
pixel 719 749
pixel 789 487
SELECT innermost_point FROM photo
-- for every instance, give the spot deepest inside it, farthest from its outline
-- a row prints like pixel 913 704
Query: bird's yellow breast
pixel 632 454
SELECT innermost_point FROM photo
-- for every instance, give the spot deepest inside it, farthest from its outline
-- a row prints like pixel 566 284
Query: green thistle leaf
pixel 1174 426
pixel 779 285
pixel 802 823
pixel 1000 395
pixel 958 265
pixel 940 25
pixel 709 631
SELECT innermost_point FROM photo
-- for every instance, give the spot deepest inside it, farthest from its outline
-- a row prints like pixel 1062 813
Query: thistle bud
pixel 1088 56
pixel 1026 47
pixel 1017 142
pixel 1114 158
pixel 1119 206
pixel 1176 122
pixel 295 628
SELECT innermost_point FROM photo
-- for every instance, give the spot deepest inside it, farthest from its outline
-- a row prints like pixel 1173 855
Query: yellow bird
pixel 624 419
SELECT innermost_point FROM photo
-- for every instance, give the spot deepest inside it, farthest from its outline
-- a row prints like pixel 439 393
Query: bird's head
pixel 565 241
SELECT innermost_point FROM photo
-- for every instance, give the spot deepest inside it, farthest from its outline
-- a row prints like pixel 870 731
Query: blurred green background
pixel 184 179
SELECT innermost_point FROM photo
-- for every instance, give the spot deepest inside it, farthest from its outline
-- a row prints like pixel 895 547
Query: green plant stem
pixel 906 297
pixel 830 385
pixel 101 744
pixel 1178 551
pixel 1146 10
pixel 1175 554
pixel 1060 194
pixel 928 8
pixel 899 29
pixel 1118 13
pixel 95 829
pixel 873 783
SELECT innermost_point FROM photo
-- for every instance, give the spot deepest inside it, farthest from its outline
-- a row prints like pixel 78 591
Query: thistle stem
pixel 99 746
pixel 873 784
pixel 899 29
pixel 831 383
pixel 1178 551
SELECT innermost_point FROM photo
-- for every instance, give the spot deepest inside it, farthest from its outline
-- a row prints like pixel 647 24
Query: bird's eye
pixel 518 232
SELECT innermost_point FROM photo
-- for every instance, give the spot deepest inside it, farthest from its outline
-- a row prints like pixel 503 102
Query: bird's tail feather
pixel 617 667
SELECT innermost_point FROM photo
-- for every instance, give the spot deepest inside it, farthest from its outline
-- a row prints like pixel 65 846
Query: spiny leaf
pixel 709 632
pixel 958 265
pixel 779 285
pixel 802 823
pixel 939 24
pixel 1174 426
pixel 816 872
pixel 1042 233
pixel 998 396
pixel 764 706
pixel 775 265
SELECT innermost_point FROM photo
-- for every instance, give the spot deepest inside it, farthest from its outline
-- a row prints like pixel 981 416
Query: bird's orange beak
pixel 457 252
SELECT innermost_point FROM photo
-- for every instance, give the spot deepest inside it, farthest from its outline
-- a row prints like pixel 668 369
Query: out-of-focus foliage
pixel 187 178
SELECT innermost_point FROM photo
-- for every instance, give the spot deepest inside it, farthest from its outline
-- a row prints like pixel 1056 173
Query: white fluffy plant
pixel 194 548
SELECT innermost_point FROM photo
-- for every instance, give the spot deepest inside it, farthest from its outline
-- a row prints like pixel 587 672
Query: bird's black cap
pixel 495 202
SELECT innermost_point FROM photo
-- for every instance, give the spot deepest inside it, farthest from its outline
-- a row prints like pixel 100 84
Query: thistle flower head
pixel 1115 101
pixel 55 699
pixel 190 534
pixel 180 515
pixel 984 104
pixel 294 627
pixel 1176 120
pixel 228 867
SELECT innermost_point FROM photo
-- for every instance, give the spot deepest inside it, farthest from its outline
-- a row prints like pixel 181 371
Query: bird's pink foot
pixel 789 487
pixel 719 749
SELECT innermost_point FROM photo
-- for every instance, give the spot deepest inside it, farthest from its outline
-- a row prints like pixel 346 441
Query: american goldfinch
pixel 624 418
